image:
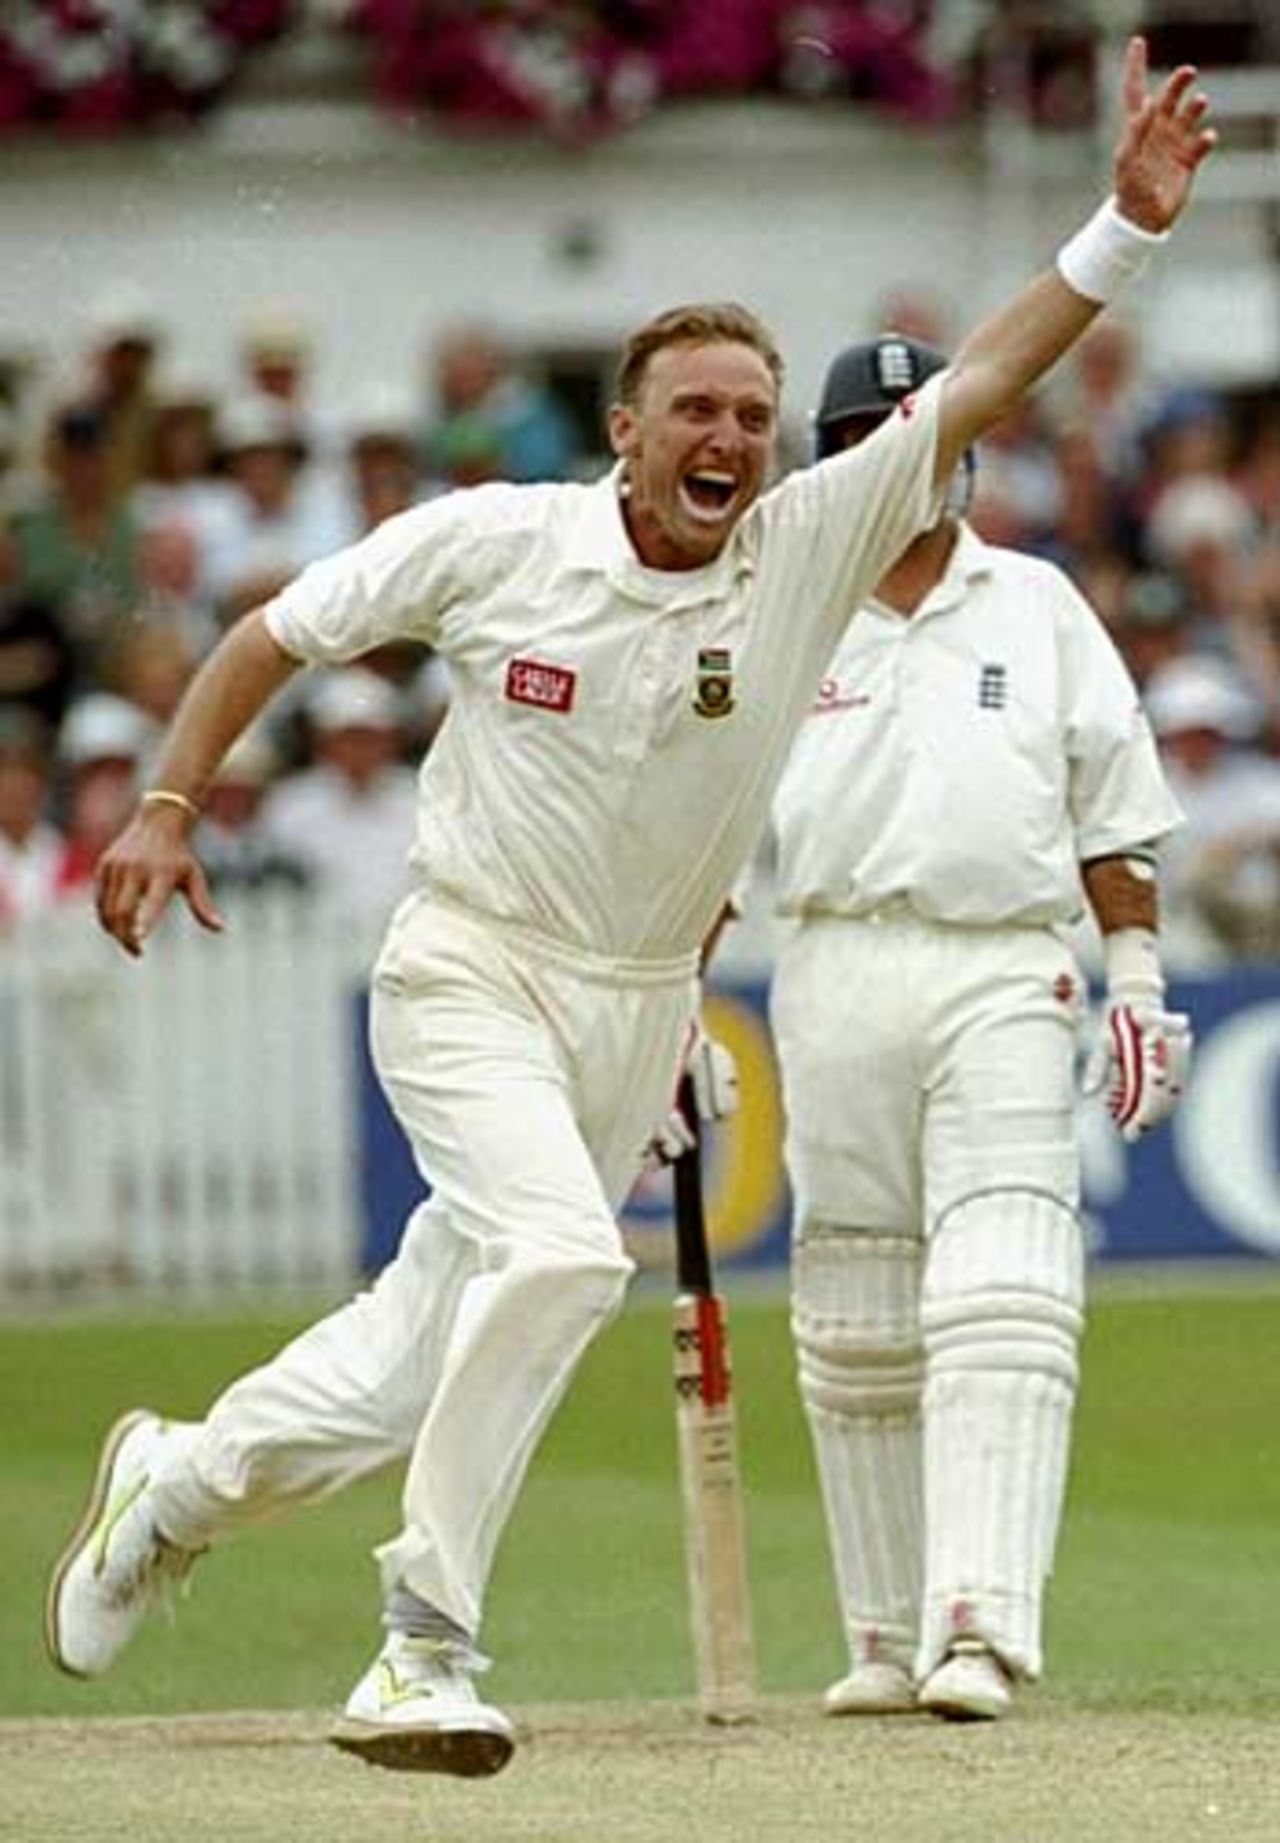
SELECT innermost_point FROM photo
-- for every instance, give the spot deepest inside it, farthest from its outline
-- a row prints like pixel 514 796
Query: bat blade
pixel 710 1480
pixel 714 1524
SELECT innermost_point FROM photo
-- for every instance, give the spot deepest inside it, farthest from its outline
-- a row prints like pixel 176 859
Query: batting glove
pixel 1142 1059
pixel 714 1075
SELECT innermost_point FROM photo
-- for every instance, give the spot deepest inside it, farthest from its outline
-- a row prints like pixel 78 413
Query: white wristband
pixel 1133 965
pixel 1106 254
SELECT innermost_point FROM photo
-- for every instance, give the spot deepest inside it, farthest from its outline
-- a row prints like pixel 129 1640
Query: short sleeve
pixel 398 583
pixel 1118 794
pixel 843 522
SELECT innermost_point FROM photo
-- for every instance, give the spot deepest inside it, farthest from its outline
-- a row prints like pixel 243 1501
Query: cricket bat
pixel 710 1483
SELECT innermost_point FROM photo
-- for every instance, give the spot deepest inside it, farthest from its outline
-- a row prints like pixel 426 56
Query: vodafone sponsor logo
pixel 546 687
pixel 832 697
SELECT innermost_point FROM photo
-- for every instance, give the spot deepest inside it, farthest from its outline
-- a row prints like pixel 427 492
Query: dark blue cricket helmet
pixel 868 380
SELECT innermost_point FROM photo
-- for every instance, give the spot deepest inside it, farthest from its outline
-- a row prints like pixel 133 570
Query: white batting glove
pixel 1141 1063
pixel 714 1074
pixel 1142 1059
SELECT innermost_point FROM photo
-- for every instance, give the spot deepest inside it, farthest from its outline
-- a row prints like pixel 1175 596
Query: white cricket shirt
pixel 967 758
pixel 615 732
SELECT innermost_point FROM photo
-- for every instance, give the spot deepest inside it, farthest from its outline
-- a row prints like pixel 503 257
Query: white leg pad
pixel 855 1321
pixel 1001 1312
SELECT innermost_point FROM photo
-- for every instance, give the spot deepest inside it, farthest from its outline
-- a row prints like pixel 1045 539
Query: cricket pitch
pixel 653 1773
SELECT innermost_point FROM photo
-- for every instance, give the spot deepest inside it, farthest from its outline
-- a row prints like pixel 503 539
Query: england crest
pixel 714 696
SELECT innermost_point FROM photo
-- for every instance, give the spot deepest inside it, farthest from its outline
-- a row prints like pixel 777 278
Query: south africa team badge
pixel 714 697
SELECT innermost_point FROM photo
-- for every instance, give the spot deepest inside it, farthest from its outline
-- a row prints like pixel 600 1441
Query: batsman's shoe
pixel 872 1689
pixel 116 1562
pixel 416 1709
pixel 969 1685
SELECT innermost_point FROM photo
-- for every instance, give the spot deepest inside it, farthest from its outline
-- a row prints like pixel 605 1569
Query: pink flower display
pixel 97 66
pixel 574 71
pixel 569 70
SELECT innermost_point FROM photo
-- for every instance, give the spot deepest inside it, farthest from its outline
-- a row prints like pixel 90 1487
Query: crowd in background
pixel 141 512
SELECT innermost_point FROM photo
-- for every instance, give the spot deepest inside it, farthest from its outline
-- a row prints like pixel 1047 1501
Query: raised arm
pixel 152 858
pixel 1162 142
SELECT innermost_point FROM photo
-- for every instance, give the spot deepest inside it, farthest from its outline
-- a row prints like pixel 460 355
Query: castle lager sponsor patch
pixel 547 687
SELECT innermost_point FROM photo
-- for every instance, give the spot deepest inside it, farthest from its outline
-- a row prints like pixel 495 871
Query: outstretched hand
pixel 1163 141
pixel 137 875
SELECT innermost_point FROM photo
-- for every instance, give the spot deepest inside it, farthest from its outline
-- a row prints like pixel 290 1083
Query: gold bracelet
pixel 166 796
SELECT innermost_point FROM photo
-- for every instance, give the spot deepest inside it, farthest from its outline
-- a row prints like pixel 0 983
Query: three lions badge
pixel 714 696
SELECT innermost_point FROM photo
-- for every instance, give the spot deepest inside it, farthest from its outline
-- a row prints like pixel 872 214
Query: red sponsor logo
pixel 1064 988
pixel 830 697
pixel 908 407
pixel 529 681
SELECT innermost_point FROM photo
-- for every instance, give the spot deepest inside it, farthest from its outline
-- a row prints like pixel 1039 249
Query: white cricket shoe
pixel 416 1709
pixel 116 1562
pixel 872 1689
pixel 970 1684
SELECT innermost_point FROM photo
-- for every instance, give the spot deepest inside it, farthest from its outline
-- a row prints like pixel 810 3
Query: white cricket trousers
pixel 924 1064
pixel 528 1080
pixel 938 1267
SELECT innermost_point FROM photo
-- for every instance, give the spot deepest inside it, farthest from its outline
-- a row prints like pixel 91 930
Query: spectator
pixel 276 363
pixel 37 665
pixel 1257 478
pixel 349 818
pixel 1150 625
pixel 75 544
pixel 1105 581
pixel 382 461
pixel 1221 881
pixel 12 472
pixel 169 595
pixel 274 526
pixel 124 340
pixel 237 850
pixel 1187 435
pixel 150 666
pixel 32 850
pixel 1257 632
pixel 1017 491
pixel 182 507
pixel 1106 393
pixel 916 313
pixel 1198 532
pixel 1090 521
pixel 491 423
pixel 103 747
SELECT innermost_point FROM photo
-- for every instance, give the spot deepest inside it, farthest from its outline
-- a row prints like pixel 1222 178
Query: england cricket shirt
pixel 966 759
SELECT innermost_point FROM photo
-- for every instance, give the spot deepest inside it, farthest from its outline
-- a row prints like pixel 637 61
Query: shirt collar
pixel 598 541
pixel 969 562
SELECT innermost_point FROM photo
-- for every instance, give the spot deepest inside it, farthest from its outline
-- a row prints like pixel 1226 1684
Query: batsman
pixel 631 660
pixel 976 768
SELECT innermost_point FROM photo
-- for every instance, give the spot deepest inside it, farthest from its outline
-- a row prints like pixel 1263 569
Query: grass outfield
pixel 1164 1599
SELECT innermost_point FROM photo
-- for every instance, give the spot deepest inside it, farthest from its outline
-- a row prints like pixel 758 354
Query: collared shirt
pixel 615 732
pixel 968 758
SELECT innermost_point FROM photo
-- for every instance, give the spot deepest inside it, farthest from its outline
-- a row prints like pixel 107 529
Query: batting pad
pixel 1001 1312
pixel 855 1321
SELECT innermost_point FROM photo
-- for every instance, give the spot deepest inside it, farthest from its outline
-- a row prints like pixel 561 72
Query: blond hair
pixel 703 323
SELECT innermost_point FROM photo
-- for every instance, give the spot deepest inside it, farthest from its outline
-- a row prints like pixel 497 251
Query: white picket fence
pixel 186 1121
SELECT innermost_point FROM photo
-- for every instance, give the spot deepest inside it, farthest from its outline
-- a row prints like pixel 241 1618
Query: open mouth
pixel 707 492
